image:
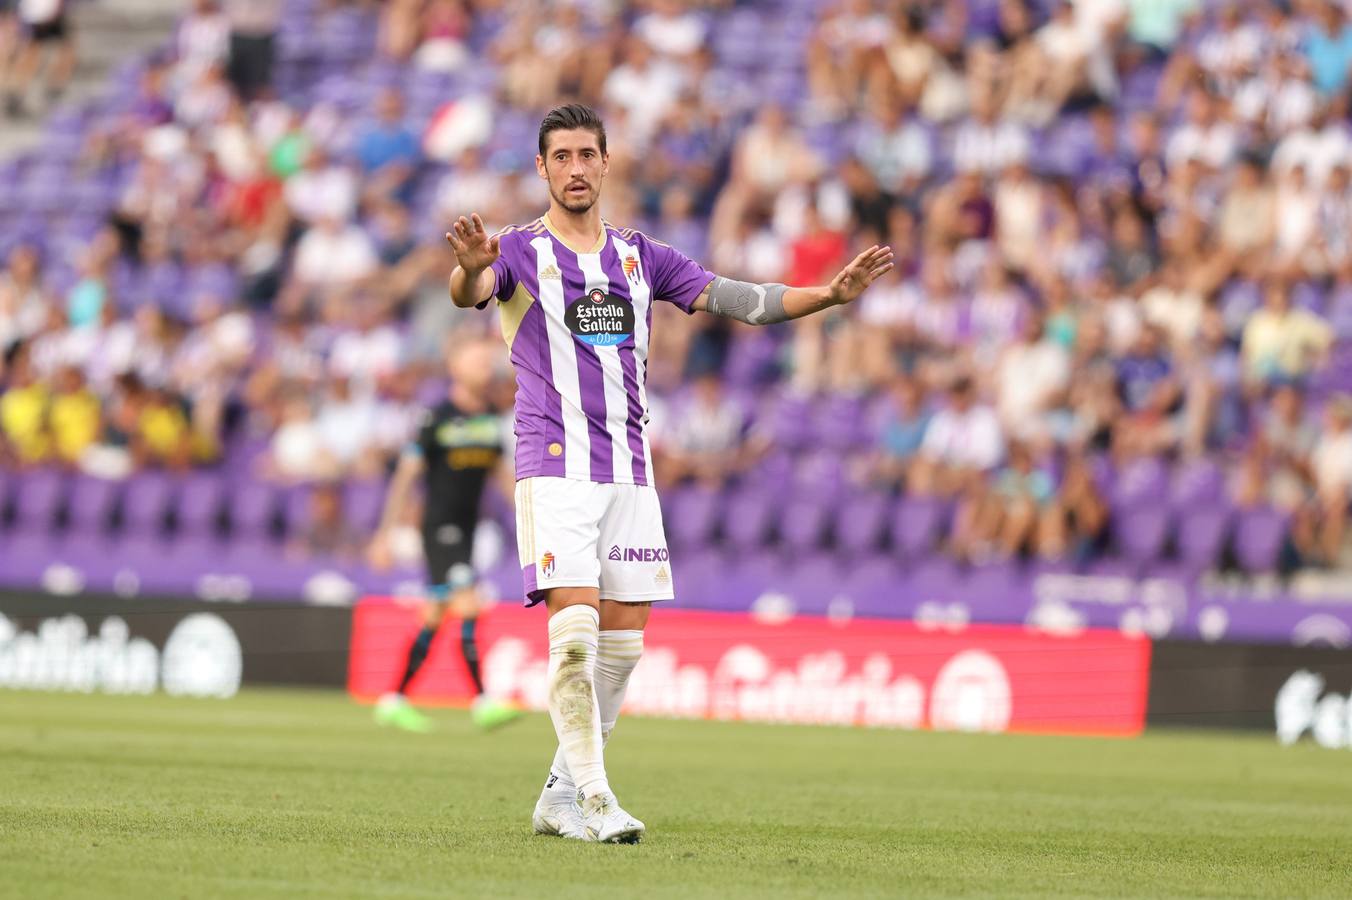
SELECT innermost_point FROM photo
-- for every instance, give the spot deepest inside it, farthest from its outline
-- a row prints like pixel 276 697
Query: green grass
pixel 291 794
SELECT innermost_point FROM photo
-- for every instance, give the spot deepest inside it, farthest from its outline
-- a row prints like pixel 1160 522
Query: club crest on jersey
pixel 600 319
pixel 547 565
pixel 630 266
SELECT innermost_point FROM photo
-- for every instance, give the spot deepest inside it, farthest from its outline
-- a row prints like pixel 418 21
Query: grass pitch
pixel 294 794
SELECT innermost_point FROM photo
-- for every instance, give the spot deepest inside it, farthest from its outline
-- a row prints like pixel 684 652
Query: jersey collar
pixel 600 238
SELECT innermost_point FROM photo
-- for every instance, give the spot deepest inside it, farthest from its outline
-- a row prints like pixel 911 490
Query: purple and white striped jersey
pixel 577 326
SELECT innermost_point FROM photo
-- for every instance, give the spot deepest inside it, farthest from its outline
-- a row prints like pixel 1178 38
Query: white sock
pixel 617 653
pixel 572 695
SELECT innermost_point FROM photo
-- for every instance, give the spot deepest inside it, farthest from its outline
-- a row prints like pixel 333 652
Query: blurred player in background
pixel 459 447
pixel 575 295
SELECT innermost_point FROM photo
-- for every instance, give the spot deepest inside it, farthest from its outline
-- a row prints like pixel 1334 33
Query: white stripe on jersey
pixel 617 398
pixel 641 296
pixel 563 364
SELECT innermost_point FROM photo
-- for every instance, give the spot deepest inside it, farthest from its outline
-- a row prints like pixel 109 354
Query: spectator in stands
pixel 326 531
pixel 899 432
pixel 986 143
pixel 1151 397
pixel 706 439
pixel 388 151
pixel 1024 505
pixel 253 37
pixel 1031 377
pixel 1329 48
pixel 1321 523
pixel 1077 524
pixel 23 410
pixel 47 28
pixel 1281 344
pixel 1276 467
pixel 74 416
pixel 962 443
pixel 23 300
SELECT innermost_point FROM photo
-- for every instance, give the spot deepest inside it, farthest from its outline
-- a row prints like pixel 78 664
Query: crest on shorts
pixel 630 266
pixel 547 564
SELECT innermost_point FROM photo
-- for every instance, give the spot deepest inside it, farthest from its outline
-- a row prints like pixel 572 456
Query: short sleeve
pixel 675 277
pixel 424 442
pixel 505 285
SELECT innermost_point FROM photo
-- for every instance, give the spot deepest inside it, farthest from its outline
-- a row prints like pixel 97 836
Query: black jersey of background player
pixel 460 451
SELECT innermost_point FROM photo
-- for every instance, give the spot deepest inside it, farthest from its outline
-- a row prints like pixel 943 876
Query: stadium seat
pixel 917 523
pixel 252 510
pixel 1196 483
pixel 1259 537
pixel 146 502
pixel 861 523
pixel 38 500
pixel 1140 482
pixel 691 515
pixel 748 518
pixel 1141 533
pixel 1202 534
pixel 198 506
pixel 92 505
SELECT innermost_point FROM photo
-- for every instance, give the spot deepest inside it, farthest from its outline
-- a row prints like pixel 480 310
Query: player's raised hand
pixel 474 249
pixel 865 269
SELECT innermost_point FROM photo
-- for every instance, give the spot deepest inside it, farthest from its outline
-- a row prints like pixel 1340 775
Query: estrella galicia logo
pixel 600 319
pixel 638 554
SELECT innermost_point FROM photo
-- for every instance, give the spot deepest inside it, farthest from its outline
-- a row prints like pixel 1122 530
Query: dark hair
pixel 569 116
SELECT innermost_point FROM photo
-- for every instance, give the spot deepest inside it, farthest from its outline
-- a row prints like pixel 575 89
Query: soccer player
pixel 575 295
pixel 458 448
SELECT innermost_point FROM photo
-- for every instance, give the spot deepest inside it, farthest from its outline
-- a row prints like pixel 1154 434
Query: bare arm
pixel 396 501
pixel 767 304
pixel 473 280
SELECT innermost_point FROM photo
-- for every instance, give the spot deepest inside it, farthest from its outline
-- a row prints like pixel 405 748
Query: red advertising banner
pixel 806 670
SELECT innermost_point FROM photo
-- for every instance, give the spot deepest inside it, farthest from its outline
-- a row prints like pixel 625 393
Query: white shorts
pixel 573 533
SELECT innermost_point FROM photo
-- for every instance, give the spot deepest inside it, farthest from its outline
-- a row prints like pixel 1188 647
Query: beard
pixel 574 203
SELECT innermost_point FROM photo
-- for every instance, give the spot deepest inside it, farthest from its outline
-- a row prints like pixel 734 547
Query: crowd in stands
pixel 1123 227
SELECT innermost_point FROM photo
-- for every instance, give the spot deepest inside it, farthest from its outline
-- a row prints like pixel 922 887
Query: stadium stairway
pixel 107 34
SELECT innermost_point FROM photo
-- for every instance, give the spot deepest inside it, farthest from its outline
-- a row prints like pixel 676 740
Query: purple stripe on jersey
pixel 537 416
pixel 590 376
pixel 634 425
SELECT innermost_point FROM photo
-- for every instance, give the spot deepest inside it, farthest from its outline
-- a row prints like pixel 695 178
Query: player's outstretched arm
pixel 473 280
pixel 765 304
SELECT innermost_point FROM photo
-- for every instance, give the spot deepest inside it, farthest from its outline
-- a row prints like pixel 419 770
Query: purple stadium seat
pixel 745 579
pixel 748 518
pixel 791 423
pixel 917 523
pixel 1140 482
pixel 252 505
pixel 38 498
pixel 698 576
pixel 24 556
pixel 861 523
pixel 1195 484
pixel 198 505
pixel 145 502
pixel 691 516
pixel 803 523
pixel 1202 534
pixel 363 502
pixel 1141 532
pixel 1259 535
pixel 296 508
pixel 820 475
pixel 92 504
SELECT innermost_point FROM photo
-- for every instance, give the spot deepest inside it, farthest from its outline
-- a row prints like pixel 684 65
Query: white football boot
pixel 557 813
pixel 606 823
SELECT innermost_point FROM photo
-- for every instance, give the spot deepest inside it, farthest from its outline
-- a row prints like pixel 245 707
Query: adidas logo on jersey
pixel 551 273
